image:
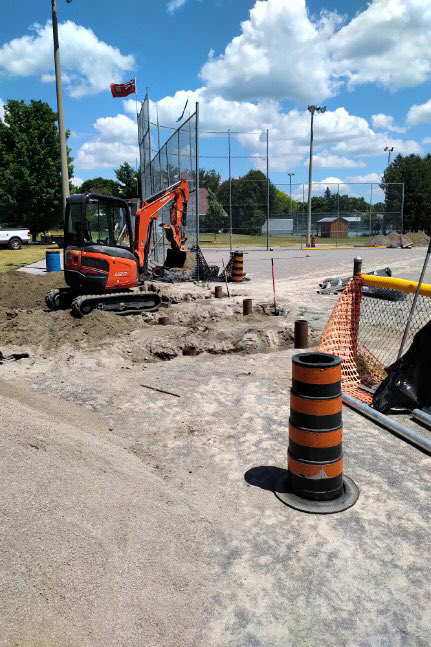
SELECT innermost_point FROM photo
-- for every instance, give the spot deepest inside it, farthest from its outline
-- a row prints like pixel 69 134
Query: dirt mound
pixel 22 290
pixel 417 238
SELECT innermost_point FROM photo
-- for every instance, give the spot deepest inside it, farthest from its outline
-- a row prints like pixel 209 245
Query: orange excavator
pixel 104 262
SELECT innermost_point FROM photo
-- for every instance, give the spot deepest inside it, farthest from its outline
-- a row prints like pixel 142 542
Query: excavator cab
pixel 98 243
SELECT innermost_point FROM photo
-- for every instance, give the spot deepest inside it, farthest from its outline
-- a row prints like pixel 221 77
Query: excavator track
pixel 59 299
pixel 120 303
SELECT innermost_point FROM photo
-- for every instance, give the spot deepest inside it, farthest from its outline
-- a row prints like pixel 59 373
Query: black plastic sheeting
pixel 408 384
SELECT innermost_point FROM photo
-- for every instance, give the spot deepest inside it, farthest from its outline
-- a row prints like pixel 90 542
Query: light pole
pixel 312 110
pixel 290 190
pixel 63 146
pixel 389 151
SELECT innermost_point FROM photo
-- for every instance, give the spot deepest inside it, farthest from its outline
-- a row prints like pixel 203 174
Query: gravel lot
pixel 127 519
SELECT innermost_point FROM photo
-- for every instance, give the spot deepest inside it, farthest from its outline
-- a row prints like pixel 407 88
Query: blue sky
pixel 368 62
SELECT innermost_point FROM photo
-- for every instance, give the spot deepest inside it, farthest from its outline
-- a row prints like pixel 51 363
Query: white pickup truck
pixel 14 238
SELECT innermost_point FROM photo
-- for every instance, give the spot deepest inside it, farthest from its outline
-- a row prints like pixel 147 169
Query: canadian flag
pixel 123 89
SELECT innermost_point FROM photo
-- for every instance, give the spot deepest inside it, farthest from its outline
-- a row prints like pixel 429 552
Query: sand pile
pixel 418 238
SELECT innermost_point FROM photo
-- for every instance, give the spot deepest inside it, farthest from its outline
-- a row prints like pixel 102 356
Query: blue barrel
pixel 53 260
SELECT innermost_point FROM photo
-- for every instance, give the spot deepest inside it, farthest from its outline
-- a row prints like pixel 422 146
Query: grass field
pixel 239 240
pixel 11 259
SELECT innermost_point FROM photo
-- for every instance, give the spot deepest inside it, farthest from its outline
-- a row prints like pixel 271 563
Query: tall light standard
pixel 312 110
pixel 290 190
pixel 63 146
pixel 389 151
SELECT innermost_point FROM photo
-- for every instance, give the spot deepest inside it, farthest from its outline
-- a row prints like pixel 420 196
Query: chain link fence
pixel 163 166
pixel 383 318
pixel 251 210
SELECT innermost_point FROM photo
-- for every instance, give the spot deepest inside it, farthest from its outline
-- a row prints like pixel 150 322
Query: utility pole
pixel 312 110
pixel 389 151
pixel 63 146
pixel 290 190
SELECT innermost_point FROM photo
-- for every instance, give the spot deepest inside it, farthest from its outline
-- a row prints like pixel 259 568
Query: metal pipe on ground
pixel 218 292
pixel 399 429
pixel 301 333
pixel 422 416
pixel 247 307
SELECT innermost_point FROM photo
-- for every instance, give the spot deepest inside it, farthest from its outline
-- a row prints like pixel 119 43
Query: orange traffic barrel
pixel 237 273
pixel 314 481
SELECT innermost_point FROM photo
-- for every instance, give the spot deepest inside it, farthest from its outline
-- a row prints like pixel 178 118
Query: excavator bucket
pixel 175 258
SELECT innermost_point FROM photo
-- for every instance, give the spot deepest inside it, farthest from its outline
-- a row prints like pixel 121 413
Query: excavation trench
pixel 196 323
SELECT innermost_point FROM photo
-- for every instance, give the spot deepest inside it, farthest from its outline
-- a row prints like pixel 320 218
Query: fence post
pixel 413 308
pixel 402 214
pixel 371 211
pixel 230 193
pixel 197 181
pixel 267 189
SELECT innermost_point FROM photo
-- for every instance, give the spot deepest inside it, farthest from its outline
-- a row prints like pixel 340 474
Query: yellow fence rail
pixel 392 283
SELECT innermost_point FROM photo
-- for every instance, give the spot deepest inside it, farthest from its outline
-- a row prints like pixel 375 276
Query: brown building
pixel 336 227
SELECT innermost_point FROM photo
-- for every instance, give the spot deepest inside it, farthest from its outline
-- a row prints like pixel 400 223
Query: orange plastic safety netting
pixel 359 368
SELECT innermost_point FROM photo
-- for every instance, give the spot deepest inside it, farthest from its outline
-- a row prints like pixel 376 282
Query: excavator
pixel 105 262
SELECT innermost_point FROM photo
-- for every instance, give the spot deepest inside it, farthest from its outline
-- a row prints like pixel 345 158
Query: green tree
pixel 127 178
pixel 249 201
pixel 101 185
pixel 30 172
pixel 415 172
pixel 282 207
pixel 215 218
pixel 209 179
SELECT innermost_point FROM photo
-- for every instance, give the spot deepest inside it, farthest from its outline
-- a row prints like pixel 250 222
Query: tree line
pixel 30 184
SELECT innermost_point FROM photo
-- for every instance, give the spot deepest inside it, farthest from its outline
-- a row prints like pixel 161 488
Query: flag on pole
pixel 123 89
pixel 182 115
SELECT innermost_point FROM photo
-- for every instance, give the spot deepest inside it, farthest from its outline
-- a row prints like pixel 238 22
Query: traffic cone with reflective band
pixel 237 273
pixel 314 481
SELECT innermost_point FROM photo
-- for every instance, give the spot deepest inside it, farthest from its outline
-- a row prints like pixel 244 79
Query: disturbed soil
pixel 129 511
pixel 197 323
pixel 417 238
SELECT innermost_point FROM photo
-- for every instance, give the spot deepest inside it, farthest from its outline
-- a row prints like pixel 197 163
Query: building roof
pixel 346 218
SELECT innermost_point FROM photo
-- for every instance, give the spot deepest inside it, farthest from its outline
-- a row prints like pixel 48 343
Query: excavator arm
pixel 146 216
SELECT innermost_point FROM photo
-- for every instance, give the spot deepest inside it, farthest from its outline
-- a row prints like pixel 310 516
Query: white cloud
pixel 369 177
pixel 386 122
pixel 89 64
pixel 173 5
pixel 339 135
pixel 324 160
pixel 116 143
pixel 76 181
pixel 105 154
pixel 387 43
pixel 119 128
pixel 2 104
pixel 426 140
pixel 420 114
pixel 281 52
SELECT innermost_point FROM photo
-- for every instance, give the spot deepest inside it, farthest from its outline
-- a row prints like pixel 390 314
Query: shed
pixel 336 226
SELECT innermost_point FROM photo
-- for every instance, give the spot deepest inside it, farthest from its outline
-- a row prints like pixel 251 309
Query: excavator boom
pixel 147 213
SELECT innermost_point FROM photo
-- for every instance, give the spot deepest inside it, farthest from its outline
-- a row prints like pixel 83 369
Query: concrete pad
pixel 39 267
